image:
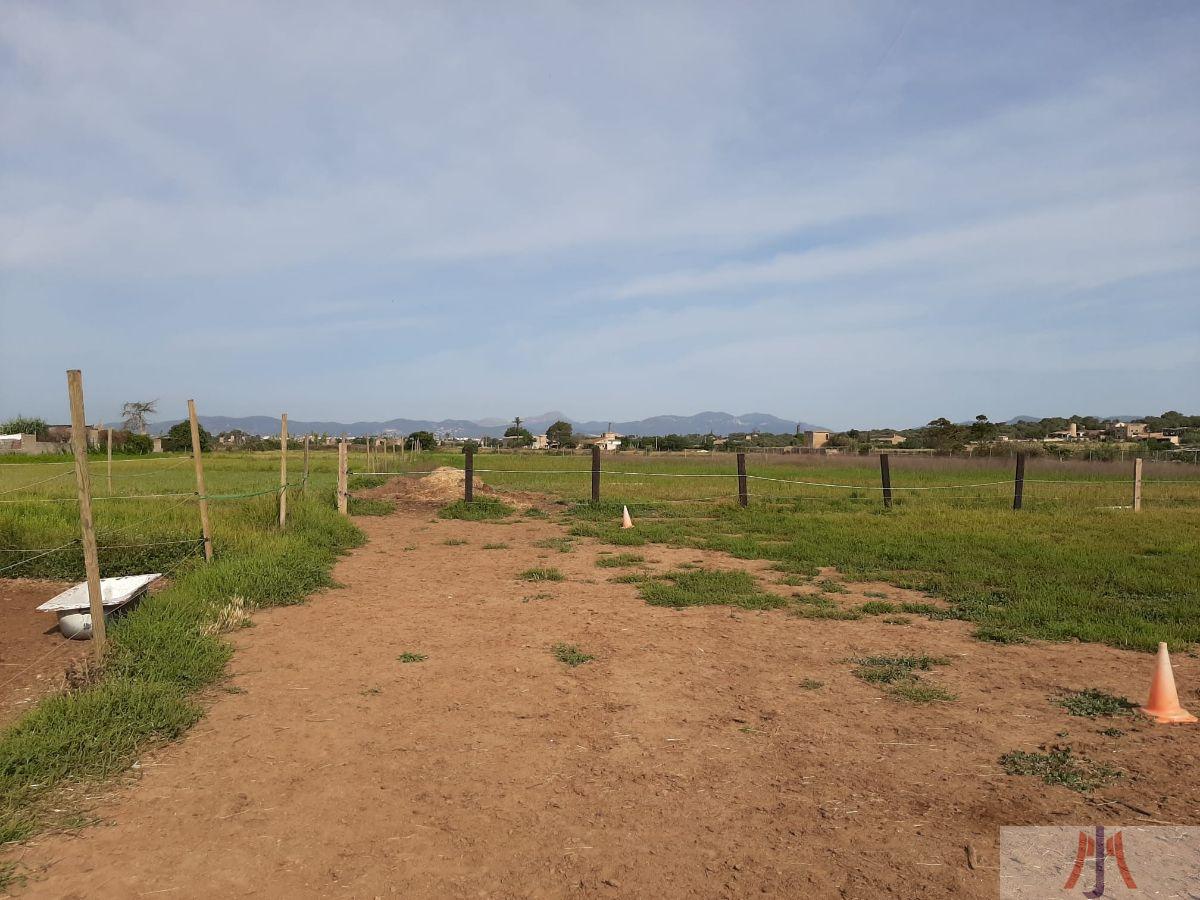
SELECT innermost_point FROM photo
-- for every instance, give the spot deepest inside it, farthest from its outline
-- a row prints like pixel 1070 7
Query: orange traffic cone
pixel 1163 705
pixel 626 522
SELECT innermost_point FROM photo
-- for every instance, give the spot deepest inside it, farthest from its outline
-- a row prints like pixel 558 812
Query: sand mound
pixel 443 485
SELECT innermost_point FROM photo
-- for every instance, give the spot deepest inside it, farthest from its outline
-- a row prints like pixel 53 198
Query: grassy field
pixel 1074 563
pixel 170 646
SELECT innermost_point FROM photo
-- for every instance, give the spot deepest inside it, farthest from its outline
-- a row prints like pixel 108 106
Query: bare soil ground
pixel 688 759
pixel 33 655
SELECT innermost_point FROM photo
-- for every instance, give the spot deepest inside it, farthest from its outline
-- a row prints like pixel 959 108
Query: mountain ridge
pixel 719 423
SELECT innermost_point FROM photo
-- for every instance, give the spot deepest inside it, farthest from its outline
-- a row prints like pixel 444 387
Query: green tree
pixel 180 438
pixel 518 436
pixel 470 445
pixel 942 434
pixel 23 425
pixel 561 433
pixel 426 439
pixel 137 443
pixel 982 430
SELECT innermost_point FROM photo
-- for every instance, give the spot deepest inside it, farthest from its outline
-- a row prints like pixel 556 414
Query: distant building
pixel 891 439
pixel 609 441
pixel 540 442
pixel 815 440
pixel 1130 431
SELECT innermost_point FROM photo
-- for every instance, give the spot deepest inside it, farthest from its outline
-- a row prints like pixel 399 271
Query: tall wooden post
pixel 743 487
pixel 198 462
pixel 595 472
pixel 342 500
pixel 283 442
pixel 83 481
pixel 110 461
pixel 1137 485
pixel 1019 482
pixel 469 482
pixel 304 481
pixel 885 473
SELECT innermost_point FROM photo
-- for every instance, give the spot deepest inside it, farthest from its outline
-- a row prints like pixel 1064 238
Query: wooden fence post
pixel 283 447
pixel 743 487
pixel 343 504
pixel 304 480
pixel 1019 482
pixel 1137 485
pixel 469 482
pixel 595 472
pixel 885 472
pixel 198 463
pixel 110 461
pixel 83 481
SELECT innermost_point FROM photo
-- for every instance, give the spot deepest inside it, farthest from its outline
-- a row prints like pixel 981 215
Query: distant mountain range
pixel 718 423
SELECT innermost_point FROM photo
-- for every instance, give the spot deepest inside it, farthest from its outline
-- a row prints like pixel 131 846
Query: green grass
pixel 500 545
pixel 561 544
pixel 407 657
pixel 1091 703
pixel 1063 568
pixel 170 645
pixel 545 573
pixel 454 542
pixel 620 560
pixel 998 634
pixel 877 607
pixel 570 654
pixel 479 510
pixel 705 587
pixel 371 506
pixel 1059 766
pixel 899 678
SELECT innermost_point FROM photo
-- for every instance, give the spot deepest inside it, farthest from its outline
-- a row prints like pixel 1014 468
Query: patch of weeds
pixel 366 692
pixel 689 565
pixel 545 573
pixel 876 595
pixel 407 657
pixel 10 877
pixel 479 510
pixel 370 506
pixel 454 542
pixel 896 620
pixel 825 612
pixel 496 546
pixel 703 587
pixel 928 610
pixel 570 654
pixel 877 607
pixel 530 597
pixel 534 513
pixel 811 684
pixel 561 544
pixel 1058 765
pixel 631 578
pixel 620 560
pixel 1091 703
pixel 363 482
pixel 1112 732
pixel 998 634
pixel 829 586
pixel 410 547
pixel 898 675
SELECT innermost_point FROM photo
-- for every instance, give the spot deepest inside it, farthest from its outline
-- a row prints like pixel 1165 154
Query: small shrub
pixel 811 684
pixel 497 546
pixel 546 573
pixel 454 542
pixel 1091 703
pixel 479 510
pixel 407 657
pixel 570 654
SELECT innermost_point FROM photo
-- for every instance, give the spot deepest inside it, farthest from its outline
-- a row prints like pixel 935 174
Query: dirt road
pixel 689 759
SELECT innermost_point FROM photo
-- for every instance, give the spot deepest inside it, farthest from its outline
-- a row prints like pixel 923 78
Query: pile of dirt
pixel 444 484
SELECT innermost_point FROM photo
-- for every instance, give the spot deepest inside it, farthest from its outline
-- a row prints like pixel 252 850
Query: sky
pixel 867 214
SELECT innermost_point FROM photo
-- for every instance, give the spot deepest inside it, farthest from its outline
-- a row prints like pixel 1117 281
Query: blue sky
pixel 872 213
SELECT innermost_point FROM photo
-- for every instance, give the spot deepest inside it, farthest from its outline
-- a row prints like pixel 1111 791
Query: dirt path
pixel 33 655
pixel 687 760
